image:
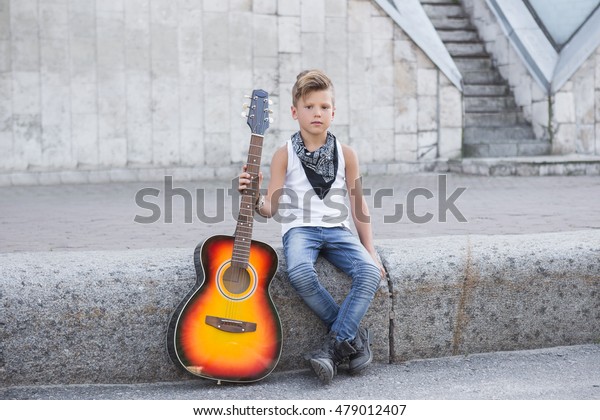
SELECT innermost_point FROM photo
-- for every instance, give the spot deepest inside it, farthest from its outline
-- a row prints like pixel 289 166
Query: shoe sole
pixel 322 371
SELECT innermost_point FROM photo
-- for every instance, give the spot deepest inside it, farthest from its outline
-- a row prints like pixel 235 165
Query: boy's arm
pixel 269 207
pixel 358 205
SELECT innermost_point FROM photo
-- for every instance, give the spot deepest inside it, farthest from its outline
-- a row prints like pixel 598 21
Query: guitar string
pixel 244 228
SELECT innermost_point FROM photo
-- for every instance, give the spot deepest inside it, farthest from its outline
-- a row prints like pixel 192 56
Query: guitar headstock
pixel 258 112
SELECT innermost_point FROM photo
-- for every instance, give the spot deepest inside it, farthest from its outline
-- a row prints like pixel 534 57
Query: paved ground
pixel 84 217
pixel 563 373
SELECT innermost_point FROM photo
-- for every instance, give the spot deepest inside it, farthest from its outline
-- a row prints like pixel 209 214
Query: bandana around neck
pixel 321 160
pixel 320 166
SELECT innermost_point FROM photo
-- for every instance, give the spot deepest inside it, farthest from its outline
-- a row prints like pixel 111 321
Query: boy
pixel 307 174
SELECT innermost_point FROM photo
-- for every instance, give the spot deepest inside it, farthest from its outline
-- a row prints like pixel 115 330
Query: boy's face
pixel 314 112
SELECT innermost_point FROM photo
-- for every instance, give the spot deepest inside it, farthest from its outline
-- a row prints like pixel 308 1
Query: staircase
pixel 493 124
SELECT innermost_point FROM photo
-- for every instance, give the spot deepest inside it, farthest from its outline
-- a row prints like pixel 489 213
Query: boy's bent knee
pixel 367 276
pixel 303 277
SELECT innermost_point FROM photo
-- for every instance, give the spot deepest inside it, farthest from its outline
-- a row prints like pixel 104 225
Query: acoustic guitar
pixel 227 327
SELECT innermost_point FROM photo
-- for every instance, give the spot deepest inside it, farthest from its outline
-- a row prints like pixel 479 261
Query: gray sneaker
pixel 363 356
pixel 324 362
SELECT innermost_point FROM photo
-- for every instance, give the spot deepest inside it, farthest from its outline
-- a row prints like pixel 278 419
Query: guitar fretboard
pixel 243 231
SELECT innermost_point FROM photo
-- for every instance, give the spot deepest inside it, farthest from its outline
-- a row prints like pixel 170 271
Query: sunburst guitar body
pixel 227 327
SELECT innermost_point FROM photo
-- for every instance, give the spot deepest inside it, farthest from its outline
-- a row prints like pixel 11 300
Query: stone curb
pixel 568 165
pixel 101 317
pixel 181 173
pixel 471 294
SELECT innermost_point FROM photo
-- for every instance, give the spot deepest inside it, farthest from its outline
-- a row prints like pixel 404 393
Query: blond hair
pixel 309 81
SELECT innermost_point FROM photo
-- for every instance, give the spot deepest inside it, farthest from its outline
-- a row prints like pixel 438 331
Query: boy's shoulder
pixel 280 155
pixel 281 149
pixel 349 152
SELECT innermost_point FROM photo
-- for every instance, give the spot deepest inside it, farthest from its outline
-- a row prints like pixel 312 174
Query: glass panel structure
pixel 561 19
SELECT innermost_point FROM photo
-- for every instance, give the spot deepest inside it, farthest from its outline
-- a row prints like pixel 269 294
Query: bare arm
pixel 275 188
pixel 358 205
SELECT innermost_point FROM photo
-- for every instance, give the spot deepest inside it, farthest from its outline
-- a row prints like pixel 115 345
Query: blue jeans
pixel 302 246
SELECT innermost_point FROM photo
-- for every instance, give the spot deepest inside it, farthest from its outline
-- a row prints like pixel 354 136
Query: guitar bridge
pixel 230 325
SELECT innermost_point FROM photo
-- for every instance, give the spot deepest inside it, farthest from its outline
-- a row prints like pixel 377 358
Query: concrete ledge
pixel 550 165
pixel 180 173
pixel 101 317
pixel 472 294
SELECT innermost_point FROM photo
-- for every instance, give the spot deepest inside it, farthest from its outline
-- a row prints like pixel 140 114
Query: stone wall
pixel 576 110
pixel 89 88
pixel 102 316
pixel 570 117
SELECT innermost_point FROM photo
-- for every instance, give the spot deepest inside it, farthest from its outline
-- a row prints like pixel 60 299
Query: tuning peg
pixel 271 120
pixel 270 111
pixel 244 115
pixel 247 96
pixel 270 102
pixel 245 106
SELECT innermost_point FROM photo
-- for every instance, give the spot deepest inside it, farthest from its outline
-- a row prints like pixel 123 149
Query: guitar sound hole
pixel 236 280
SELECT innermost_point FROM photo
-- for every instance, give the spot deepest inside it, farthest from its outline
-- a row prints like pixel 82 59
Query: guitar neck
pixel 243 231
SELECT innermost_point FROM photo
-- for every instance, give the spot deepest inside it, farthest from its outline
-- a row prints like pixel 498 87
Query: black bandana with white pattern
pixel 320 166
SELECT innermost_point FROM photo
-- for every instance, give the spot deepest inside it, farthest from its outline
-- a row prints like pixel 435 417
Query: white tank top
pixel 299 205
